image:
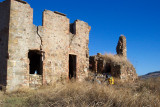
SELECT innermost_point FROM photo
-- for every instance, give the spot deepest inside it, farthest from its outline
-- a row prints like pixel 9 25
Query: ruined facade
pixel 35 55
pixel 115 65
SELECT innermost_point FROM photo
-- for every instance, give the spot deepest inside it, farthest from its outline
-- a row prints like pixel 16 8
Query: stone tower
pixel 121 46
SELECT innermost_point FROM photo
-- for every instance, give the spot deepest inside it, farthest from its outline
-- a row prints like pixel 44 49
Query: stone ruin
pixel 121 47
pixel 32 55
pixel 115 65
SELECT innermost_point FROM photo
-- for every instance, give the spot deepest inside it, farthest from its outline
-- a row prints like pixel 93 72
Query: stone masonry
pixel 121 47
pixel 34 55
pixel 118 68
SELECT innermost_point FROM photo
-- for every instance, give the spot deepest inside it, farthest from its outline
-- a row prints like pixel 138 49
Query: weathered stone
pixel 120 69
pixel 121 46
pixel 52 42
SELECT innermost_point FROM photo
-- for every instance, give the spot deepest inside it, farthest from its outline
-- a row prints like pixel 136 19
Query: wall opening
pixel 100 66
pixel 72 66
pixel 73 28
pixel 36 62
pixel 108 69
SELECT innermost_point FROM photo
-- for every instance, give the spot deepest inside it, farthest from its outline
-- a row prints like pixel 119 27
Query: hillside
pixel 151 75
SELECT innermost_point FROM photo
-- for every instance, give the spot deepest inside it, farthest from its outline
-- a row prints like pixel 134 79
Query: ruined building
pixel 35 55
pixel 115 65
pixel 121 47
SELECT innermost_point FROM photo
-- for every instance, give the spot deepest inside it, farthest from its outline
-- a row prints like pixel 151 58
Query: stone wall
pixel 115 65
pixel 79 46
pixel 22 37
pixel 55 45
pixel 59 42
pixel 122 47
pixel 120 70
pixel 128 73
pixel 35 81
pixel 54 39
pixel 4 31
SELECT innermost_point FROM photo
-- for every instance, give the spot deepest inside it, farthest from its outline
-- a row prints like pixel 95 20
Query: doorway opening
pixel 36 62
pixel 108 69
pixel 72 66
pixel 100 66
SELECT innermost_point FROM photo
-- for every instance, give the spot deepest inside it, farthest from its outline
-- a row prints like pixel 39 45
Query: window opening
pixel 36 62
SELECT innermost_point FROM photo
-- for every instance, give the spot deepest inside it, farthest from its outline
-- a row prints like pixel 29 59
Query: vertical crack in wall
pixel 71 40
pixel 40 38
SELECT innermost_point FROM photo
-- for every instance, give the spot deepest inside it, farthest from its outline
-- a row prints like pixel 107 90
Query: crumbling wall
pixel 55 45
pixel 115 65
pixel 97 63
pixel 116 70
pixel 93 64
pixel 119 69
pixel 79 46
pixel 22 37
pixel 128 73
pixel 59 41
pixel 121 46
pixel 4 32
pixel 55 40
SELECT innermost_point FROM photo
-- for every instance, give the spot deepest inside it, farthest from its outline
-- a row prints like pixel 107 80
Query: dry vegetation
pixel 116 59
pixel 75 94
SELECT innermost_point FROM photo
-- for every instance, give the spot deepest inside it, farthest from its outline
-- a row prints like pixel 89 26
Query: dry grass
pixel 115 59
pixel 75 94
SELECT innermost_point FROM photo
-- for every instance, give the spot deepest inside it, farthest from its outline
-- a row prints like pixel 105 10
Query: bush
pixel 116 59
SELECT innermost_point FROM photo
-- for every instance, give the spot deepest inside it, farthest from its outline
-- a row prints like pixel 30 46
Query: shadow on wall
pixel 4 37
pixel 4 57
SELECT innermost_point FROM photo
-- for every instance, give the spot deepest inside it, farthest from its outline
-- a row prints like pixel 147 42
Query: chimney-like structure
pixel 121 46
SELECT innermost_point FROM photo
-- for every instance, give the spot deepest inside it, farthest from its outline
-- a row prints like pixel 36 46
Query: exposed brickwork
pixel 53 40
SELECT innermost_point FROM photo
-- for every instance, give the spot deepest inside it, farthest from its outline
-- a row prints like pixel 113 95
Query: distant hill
pixel 151 75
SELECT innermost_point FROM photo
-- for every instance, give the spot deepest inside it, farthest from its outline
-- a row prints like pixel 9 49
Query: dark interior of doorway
pixel 72 66
pixel 108 69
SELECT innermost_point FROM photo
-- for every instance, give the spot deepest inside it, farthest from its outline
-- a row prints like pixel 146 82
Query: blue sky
pixel 138 20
